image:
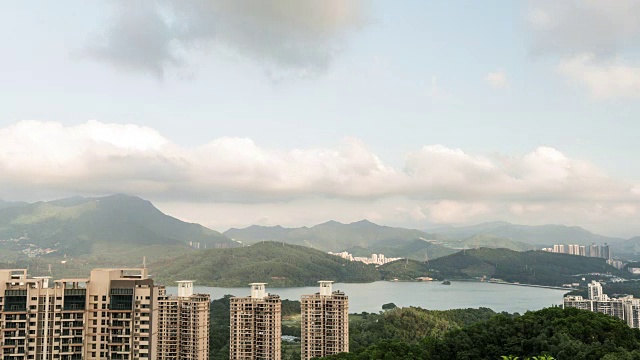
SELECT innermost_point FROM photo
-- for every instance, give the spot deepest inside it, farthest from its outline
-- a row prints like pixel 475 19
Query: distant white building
pixel 377 259
pixel 626 308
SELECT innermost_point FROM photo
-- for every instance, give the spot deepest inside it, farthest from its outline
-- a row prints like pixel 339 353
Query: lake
pixel 369 297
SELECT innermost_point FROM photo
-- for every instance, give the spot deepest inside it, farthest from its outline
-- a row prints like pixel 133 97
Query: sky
pixel 281 112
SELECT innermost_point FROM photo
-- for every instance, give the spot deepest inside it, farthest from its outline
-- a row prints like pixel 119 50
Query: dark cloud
pixel 291 35
pixel 598 27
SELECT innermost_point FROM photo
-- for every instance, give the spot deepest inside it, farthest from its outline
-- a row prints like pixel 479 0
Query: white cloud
pixel 605 80
pixel 497 79
pixel 437 184
pixel 299 37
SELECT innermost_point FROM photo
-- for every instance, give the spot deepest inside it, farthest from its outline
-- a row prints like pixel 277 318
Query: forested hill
pixel 275 263
pixel 530 267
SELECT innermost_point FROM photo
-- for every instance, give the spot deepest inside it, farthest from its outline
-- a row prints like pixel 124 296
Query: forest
pixel 465 334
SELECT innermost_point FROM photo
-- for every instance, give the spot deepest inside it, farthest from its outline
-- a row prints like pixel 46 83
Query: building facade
pixel 325 322
pixel 113 314
pixel 255 325
pixel 183 332
pixel 626 308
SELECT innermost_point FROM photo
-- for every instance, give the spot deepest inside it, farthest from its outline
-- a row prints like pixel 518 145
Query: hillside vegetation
pixel 563 334
pixel 530 267
pixel 490 241
pixel 84 226
pixel 278 264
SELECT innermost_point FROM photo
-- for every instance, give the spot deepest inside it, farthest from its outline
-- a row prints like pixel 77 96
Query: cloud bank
pixel 437 184
pixel 594 40
pixel 612 79
pixel 294 36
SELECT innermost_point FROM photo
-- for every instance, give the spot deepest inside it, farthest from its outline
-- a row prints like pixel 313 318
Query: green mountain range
pixel 528 267
pixel 330 236
pixel 275 263
pixel 80 226
pixel 281 264
pixel 536 235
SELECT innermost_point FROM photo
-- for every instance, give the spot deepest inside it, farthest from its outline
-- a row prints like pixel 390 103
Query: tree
pixel 389 306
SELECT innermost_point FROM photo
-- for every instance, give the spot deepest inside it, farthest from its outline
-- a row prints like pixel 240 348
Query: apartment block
pixel 325 322
pixel 255 325
pixel 183 320
pixel 626 308
pixel 113 314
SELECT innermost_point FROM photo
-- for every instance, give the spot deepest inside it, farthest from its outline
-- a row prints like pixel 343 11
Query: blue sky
pixel 360 89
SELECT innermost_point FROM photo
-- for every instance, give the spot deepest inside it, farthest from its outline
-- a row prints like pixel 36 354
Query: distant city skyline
pixel 410 114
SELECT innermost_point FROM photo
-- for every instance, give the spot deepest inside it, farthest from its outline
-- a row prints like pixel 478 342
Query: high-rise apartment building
pixel 325 322
pixel 122 315
pixel 255 325
pixel 594 250
pixel 626 308
pixel 561 249
pixel 183 332
pixel 595 291
pixel 605 251
pixel 113 314
pixel 583 250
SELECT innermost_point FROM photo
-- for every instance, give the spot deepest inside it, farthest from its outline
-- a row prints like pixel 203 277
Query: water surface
pixel 428 295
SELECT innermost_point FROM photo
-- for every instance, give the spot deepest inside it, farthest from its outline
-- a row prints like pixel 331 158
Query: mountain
pixel 275 263
pixel 629 248
pixel 329 236
pixel 83 226
pixel 8 204
pixel 537 235
pixel 490 241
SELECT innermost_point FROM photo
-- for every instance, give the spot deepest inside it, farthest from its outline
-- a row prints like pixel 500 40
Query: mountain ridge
pixel 328 236
pixel 75 225
pixel 547 234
